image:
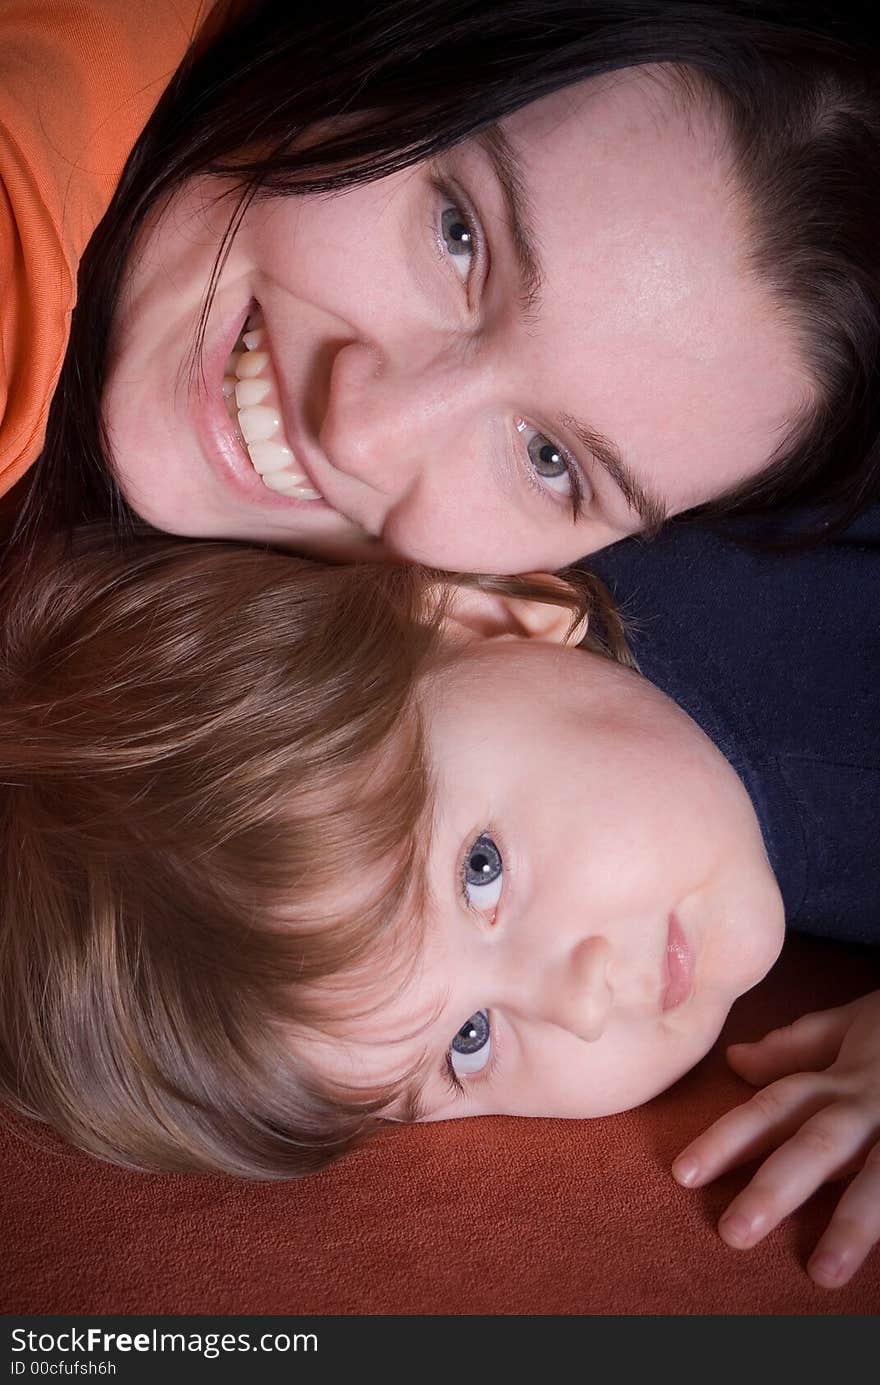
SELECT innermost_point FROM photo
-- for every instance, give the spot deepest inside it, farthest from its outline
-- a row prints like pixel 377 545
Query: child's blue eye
pixel 471 1048
pixel 483 874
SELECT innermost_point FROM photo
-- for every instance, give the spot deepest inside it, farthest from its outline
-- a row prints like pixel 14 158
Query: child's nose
pixel 572 992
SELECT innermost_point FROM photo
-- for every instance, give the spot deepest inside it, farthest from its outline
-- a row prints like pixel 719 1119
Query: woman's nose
pixel 386 420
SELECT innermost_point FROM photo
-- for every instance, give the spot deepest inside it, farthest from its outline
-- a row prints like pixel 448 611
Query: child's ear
pixel 488 615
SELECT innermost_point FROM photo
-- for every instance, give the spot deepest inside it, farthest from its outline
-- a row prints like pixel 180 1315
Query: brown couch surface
pixel 466 1217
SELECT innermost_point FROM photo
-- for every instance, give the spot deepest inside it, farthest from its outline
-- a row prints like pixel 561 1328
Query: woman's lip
pixel 679 966
pixel 220 443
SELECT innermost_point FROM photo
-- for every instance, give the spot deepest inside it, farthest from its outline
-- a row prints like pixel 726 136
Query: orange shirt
pixel 78 81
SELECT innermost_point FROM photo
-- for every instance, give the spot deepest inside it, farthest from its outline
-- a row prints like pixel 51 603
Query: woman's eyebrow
pixel 649 506
pixel 506 166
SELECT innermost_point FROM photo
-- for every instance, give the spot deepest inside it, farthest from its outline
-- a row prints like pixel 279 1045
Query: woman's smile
pixel 245 433
pixel 250 389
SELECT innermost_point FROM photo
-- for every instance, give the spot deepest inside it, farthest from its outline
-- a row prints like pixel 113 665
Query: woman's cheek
pixel 342 253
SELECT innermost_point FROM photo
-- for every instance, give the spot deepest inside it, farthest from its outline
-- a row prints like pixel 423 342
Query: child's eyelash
pixel 486 1074
pixel 454 1082
pixel 462 873
pixel 494 836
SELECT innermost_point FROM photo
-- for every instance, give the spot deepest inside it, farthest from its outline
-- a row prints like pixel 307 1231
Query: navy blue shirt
pixel 777 657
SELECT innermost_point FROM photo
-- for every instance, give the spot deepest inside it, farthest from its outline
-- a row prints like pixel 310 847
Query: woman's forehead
pixel 653 328
pixel 606 113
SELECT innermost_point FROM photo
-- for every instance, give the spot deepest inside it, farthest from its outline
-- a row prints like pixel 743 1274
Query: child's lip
pixel 679 966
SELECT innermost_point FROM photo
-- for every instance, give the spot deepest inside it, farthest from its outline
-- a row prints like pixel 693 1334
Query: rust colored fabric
pixel 78 81
pixel 496 1216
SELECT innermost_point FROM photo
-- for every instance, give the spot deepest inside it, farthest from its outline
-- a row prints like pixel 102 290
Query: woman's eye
pixel 459 238
pixel 471 1048
pixel 550 463
pixel 483 875
pixel 550 468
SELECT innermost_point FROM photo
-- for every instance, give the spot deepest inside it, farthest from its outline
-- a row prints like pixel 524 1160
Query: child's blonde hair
pixel 197 741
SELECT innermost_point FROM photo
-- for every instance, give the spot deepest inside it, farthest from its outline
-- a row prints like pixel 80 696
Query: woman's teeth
pixel 251 394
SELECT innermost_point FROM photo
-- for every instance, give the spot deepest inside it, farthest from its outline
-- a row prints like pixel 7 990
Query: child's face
pixel 599 894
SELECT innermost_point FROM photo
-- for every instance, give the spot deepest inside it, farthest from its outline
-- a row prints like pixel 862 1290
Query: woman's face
pixel 544 340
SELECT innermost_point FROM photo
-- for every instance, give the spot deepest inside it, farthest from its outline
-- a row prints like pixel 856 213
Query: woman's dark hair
pixel 376 88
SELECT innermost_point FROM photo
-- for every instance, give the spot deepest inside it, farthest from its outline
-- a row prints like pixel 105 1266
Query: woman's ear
pixel 476 614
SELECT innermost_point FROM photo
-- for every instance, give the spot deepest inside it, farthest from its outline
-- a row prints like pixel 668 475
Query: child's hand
pixel 821 1117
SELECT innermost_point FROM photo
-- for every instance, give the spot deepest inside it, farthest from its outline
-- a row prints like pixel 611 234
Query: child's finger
pixel 817 1152
pixel 760 1124
pixel 853 1230
pixel 810 1044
